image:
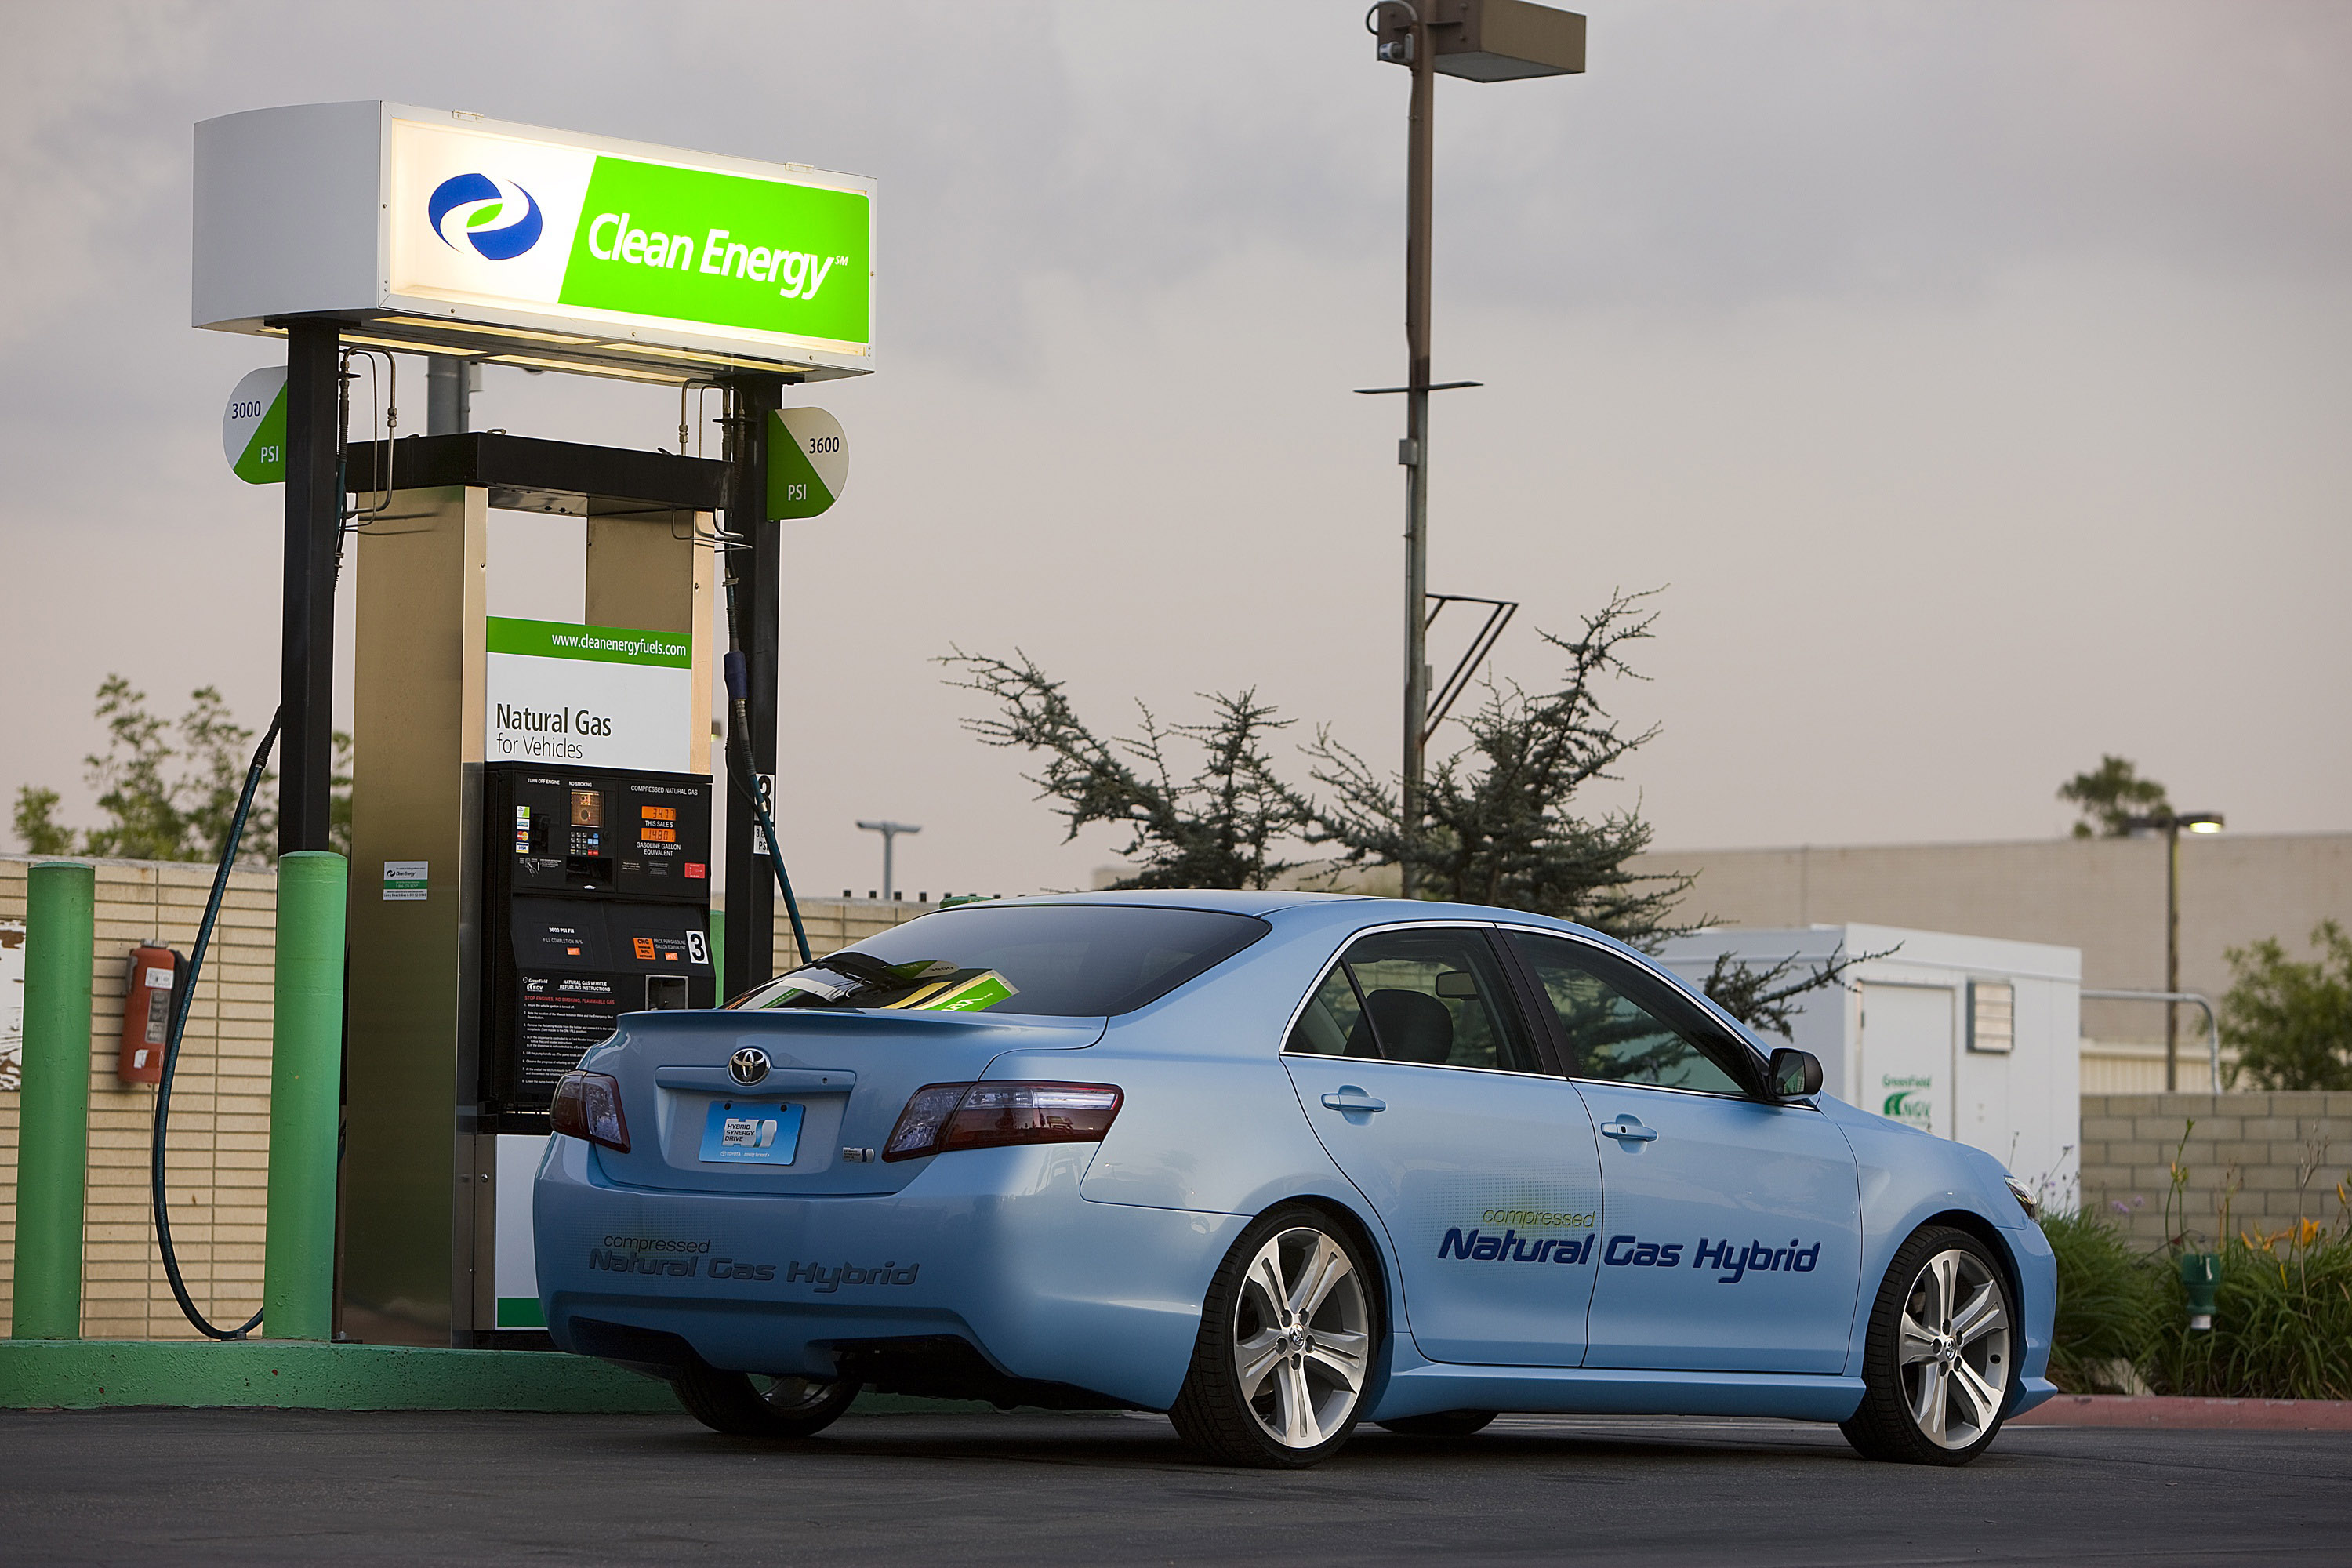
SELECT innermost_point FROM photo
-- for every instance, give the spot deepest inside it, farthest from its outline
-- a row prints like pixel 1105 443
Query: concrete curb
pixel 2179 1414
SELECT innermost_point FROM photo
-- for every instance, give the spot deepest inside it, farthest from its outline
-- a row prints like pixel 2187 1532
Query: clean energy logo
pixel 497 218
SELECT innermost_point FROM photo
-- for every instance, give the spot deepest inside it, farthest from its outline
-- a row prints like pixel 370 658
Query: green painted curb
pixel 93 1374
pixel 302 1375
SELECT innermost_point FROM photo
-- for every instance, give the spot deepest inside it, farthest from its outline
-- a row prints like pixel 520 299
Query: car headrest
pixel 1414 1026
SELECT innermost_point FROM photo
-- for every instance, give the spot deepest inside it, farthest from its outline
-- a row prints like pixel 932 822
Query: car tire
pixel 731 1402
pixel 1288 1333
pixel 1939 1358
pixel 1444 1423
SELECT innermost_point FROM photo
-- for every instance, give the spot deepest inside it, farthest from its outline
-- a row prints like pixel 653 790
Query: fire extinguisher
pixel 147 992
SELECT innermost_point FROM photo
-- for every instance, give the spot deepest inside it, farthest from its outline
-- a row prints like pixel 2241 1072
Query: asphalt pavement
pixel 215 1486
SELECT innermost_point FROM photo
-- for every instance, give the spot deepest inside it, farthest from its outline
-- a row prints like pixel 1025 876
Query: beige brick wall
pixel 2268 1160
pixel 219 1157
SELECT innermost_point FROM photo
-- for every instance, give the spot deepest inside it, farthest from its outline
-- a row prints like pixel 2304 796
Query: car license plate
pixel 751 1133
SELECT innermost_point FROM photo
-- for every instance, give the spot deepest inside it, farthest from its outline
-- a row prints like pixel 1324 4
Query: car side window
pixel 1625 1025
pixel 1435 996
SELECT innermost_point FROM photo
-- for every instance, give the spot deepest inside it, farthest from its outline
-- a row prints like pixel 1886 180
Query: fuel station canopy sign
pixel 429 229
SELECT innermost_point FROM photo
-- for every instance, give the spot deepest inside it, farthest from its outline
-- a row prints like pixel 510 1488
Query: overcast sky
pixel 1974 379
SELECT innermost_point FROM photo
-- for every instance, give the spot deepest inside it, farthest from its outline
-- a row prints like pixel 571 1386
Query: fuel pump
pixel 595 903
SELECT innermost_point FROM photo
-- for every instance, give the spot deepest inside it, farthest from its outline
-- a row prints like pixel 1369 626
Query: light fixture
pixel 2201 822
pixel 589 367
pixel 435 325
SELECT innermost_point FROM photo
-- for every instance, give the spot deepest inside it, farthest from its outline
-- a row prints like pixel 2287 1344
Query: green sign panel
pixel 689 245
pixel 808 462
pixel 252 427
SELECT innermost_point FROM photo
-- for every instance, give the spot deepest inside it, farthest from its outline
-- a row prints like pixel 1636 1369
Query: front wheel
pixel 1938 1362
pixel 741 1406
pixel 1286 1347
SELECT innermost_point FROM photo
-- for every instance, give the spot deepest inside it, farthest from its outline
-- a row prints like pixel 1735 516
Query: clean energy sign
pixel 425 227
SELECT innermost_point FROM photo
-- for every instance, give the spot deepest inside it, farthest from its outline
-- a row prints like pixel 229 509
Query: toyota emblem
pixel 747 1066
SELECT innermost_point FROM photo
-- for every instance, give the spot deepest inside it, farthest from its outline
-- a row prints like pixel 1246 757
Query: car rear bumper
pixel 993 1248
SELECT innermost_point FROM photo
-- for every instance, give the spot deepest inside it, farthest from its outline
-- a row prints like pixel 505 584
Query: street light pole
pixel 889 832
pixel 1419 185
pixel 2171 824
pixel 1480 41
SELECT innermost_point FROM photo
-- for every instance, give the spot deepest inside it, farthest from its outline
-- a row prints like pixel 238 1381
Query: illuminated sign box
pixel 428 229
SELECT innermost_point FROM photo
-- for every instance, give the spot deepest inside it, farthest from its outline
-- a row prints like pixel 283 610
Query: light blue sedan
pixel 1273 1163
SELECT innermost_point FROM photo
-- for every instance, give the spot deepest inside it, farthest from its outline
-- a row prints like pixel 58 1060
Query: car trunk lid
pixel 835 1082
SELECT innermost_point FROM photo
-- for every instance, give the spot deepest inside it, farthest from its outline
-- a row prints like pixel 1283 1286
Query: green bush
pixel 2281 1324
pixel 2111 1299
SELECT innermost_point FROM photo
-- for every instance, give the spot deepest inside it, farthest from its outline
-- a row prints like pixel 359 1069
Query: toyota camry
pixel 1274 1163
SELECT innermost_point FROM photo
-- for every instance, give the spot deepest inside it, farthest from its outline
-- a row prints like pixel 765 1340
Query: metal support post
pixel 1419 177
pixel 752 601
pixel 53 1131
pixel 2172 956
pixel 314 506
pixel 448 395
pixel 305 1087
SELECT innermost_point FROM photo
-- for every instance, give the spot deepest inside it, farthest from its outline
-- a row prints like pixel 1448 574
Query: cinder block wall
pixel 219 1157
pixel 2268 1159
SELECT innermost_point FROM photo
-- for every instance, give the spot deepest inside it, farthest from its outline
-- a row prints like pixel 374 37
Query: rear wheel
pixel 1938 1363
pixel 1444 1424
pixel 1286 1337
pixel 742 1405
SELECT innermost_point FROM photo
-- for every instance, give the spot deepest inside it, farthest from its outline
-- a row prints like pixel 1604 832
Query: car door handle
pixel 1626 1130
pixel 1350 1097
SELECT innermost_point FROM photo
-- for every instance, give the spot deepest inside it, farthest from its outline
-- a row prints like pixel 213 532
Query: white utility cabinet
pixel 1964 1037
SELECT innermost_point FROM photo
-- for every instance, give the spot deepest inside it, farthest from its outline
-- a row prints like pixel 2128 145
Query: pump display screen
pixel 648 838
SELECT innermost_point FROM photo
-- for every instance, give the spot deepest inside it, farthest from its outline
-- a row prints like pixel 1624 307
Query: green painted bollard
pixel 53 1134
pixel 297 1276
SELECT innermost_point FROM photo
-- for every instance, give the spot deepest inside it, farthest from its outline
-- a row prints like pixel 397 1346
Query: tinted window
pixel 1068 961
pixel 1627 1026
pixel 1434 996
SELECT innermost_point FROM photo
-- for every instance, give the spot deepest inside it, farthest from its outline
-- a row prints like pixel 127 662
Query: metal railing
pixel 2212 1024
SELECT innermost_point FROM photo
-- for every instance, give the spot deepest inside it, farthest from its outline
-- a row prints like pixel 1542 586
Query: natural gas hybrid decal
pixel 1736 1259
pixel 1480 1244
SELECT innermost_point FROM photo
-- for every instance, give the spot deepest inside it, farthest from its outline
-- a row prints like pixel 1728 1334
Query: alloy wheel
pixel 1953 1349
pixel 1302 1340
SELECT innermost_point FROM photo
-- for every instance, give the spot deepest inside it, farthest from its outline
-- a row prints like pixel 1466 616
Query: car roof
pixel 1361 909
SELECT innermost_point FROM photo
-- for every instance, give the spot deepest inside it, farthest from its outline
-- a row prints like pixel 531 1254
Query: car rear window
pixel 1065 961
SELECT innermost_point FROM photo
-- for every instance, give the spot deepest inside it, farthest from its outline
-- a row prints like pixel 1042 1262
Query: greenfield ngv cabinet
pixel 1968 1037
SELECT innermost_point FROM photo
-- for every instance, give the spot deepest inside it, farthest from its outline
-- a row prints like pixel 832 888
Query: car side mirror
pixel 1458 984
pixel 1795 1074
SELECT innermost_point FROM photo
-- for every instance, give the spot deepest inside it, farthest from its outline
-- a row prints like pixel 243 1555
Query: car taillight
pixel 588 1105
pixel 940 1117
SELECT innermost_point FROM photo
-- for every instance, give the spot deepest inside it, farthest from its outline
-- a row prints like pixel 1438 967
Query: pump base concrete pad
pixel 91 1375
pixel 267 1487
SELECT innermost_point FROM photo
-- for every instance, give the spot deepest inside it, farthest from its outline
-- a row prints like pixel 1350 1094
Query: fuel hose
pixel 738 743
pixel 184 995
